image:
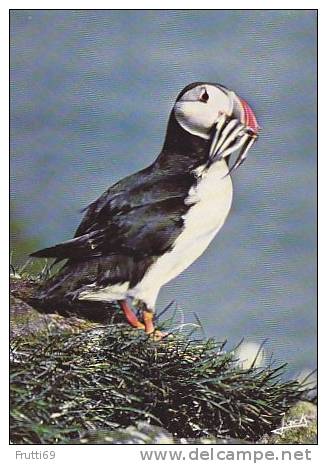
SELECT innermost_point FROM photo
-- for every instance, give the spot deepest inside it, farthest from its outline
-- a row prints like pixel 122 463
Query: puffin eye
pixel 205 96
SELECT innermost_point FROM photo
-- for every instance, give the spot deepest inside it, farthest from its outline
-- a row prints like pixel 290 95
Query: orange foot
pixel 147 326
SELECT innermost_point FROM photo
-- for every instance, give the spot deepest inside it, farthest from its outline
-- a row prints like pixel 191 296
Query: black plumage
pixel 131 224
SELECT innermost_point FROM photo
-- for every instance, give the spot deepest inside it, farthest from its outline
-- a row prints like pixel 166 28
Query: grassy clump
pixel 64 386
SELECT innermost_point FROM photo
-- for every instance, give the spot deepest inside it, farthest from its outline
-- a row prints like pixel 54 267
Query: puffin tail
pixel 84 246
pixel 50 252
pixel 69 249
pixel 60 251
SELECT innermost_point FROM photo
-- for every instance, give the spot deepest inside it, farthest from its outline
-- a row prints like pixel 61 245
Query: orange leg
pixel 149 326
pixel 148 321
pixel 130 316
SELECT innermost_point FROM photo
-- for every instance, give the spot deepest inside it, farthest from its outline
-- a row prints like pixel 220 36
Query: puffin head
pixel 216 114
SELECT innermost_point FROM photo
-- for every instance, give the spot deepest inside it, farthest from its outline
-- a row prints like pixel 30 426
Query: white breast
pixel 211 199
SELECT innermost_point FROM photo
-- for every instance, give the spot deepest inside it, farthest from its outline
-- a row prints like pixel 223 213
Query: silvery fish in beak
pixel 147 228
pixel 226 120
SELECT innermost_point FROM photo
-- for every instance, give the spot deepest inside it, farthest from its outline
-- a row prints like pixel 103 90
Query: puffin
pixel 146 229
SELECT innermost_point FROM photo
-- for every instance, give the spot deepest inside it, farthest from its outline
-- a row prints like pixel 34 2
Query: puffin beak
pixel 236 132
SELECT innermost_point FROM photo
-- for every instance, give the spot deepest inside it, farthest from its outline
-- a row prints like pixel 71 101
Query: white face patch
pixel 199 109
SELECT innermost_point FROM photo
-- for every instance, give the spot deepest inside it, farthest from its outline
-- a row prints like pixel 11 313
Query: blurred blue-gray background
pixel 90 97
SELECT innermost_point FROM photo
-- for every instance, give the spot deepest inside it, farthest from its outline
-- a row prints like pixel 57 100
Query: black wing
pixel 140 216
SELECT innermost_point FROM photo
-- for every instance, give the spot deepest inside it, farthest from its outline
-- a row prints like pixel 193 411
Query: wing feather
pixel 139 216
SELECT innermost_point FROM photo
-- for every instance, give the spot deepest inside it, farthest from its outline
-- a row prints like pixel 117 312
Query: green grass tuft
pixel 64 386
